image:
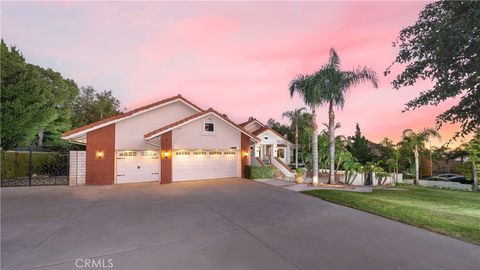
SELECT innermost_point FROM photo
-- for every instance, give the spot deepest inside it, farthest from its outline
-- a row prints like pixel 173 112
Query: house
pixel 272 149
pixel 167 141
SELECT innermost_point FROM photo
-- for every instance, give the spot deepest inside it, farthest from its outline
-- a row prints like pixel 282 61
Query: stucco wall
pixel 191 135
pixel 129 133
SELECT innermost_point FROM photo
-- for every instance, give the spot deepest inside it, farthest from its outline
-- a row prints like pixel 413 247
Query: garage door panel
pixel 205 166
pixel 137 166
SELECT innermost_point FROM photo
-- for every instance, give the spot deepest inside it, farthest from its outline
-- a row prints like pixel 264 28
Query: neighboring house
pixel 167 141
pixel 272 149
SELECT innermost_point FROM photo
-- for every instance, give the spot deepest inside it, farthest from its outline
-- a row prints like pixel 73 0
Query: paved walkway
pixel 290 185
pixel 213 224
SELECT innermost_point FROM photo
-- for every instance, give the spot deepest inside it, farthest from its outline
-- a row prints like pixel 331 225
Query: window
pixel 266 138
pixel 281 153
pixel 209 127
pixel 199 153
pixel 182 153
pixel 215 153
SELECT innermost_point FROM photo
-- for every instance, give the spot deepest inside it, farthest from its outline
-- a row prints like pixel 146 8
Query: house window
pixel 209 127
pixel 281 153
pixel 266 138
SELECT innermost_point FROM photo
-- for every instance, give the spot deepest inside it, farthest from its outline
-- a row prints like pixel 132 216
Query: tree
pixel 473 149
pixel 444 45
pixel 417 141
pixel 35 101
pixel 295 117
pixel 359 147
pixel 92 106
pixel 337 84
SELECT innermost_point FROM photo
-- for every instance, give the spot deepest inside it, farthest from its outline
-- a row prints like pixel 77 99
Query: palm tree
pixel 295 118
pixel 310 89
pixel 337 83
pixel 417 141
pixel 328 85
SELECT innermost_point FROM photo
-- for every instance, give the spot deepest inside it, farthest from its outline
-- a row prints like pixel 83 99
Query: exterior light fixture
pixel 166 154
pixel 245 154
pixel 100 154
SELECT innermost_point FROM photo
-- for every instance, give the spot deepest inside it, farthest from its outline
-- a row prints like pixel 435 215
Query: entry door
pixel 137 166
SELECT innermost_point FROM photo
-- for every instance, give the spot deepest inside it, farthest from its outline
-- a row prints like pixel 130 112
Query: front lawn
pixel 449 212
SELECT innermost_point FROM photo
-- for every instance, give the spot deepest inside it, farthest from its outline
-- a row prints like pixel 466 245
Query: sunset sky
pixel 235 57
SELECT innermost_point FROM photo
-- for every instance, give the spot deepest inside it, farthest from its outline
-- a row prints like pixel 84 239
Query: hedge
pixel 259 172
pixel 15 164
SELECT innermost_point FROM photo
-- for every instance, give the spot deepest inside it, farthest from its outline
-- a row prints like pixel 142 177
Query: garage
pixel 205 164
pixel 137 166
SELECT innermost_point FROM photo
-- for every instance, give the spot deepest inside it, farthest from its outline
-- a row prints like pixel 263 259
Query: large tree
pixel 359 147
pixel 35 101
pixel 91 106
pixel 444 46
pixel 328 85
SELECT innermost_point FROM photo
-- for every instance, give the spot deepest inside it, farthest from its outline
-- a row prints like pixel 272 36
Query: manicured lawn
pixel 449 212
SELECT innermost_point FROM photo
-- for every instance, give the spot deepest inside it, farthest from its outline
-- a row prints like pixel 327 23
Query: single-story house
pixel 175 140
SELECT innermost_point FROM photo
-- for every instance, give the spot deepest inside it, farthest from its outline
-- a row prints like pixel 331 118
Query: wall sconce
pixel 100 154
pixel 166 154
pixel 245 154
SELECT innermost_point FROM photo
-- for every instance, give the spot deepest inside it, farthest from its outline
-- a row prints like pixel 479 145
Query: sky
pixel 237 57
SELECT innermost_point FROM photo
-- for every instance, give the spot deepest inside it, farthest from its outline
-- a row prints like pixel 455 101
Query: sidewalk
pixel 290 185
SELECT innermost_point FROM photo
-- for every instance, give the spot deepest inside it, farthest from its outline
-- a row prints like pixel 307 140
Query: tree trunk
pixel 296 146
pixel 417 167
pixel 474 176
pixel 40 139
pixel 314 149
pixel 331 133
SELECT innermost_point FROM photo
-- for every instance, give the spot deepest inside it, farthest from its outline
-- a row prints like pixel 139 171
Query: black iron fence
pixel 34 168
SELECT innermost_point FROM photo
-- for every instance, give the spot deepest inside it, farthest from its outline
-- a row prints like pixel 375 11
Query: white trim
pixel 258 122
pixel 127 117
pixel 195 119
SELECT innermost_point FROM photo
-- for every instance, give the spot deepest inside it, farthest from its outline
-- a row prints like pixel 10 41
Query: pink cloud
pixel 236 57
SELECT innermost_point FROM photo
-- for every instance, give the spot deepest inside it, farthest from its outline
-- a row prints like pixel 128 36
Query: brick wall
pixel 101 171
pixel 245 148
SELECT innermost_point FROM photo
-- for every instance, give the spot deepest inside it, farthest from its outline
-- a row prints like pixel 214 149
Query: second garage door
pixel 193 165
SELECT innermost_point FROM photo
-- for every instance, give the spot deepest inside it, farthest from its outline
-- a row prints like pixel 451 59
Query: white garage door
pixel 137 166
pixel 194 165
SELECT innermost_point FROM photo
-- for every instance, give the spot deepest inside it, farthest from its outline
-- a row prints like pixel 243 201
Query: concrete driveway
pixel 213 224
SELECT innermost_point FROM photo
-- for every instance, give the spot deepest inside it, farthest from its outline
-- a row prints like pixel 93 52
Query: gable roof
pixel 267 128
pixel 191 118
pixel 249 121
pixel 122 116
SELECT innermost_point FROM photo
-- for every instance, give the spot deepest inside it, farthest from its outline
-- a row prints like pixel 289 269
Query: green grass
pixel 449 212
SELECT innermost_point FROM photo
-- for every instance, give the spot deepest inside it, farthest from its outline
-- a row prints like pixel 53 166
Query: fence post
pixel 30 166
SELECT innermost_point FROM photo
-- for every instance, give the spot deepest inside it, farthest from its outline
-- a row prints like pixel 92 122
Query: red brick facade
pixel 245 152
pixel 166 156
pixel 101 170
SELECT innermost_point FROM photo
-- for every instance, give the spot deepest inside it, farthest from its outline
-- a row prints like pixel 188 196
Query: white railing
pixel 283 168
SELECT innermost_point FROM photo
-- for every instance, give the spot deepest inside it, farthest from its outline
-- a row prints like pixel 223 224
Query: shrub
pixel 259 172
pixel 15 164
pixel 55 166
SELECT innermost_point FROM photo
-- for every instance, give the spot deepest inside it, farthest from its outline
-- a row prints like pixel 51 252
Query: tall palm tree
pixel 310 89
pixel 329 85
pixel 417 141
pixel 295 118
pixel 337 84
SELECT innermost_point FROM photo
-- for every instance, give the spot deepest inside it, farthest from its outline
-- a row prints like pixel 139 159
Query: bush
pixel 55 166
pixel 465 169
pixel 259 172
pixel 15 164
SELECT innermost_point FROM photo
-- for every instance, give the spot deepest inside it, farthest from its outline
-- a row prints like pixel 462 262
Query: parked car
pixel 449 177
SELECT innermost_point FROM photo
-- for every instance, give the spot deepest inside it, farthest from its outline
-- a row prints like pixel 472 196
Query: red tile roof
pixel 195 116
pixel 244 124
pixel 126 114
